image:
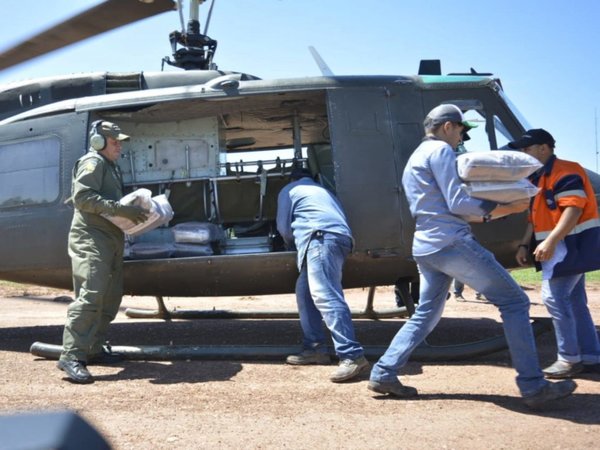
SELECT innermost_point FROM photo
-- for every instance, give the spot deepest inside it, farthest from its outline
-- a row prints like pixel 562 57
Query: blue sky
pixel 545 52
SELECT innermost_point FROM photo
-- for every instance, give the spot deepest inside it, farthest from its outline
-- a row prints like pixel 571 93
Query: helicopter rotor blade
pixel 104 17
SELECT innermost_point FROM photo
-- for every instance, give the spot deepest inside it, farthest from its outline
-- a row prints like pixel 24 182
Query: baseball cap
pixel 300 172
pixel 536 136
pixel 109 129
pixel 446 113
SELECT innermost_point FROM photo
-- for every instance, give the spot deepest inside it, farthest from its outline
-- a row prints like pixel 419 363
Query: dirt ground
pixel 191 404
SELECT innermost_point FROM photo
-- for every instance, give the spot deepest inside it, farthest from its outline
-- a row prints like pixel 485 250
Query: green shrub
pixel 530 276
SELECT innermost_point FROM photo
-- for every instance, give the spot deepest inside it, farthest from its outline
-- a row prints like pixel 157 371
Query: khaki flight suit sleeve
pixel 87 185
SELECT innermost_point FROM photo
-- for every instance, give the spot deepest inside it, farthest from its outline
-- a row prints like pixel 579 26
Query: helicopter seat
pixel 246 200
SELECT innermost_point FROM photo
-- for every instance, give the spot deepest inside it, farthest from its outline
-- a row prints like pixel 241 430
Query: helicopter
pixel 206 137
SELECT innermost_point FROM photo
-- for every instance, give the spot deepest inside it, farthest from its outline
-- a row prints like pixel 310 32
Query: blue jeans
pixel 470 263
pixel 576 335
pixel 320 296
pixel 458 287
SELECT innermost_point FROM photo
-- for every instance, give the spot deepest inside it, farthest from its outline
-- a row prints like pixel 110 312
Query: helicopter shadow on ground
pixel 247 332
pixel 579 408
pixel 173 372
pixel 61 299
pixel 254 332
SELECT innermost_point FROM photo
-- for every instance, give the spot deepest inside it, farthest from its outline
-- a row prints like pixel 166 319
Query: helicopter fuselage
pixel 221 147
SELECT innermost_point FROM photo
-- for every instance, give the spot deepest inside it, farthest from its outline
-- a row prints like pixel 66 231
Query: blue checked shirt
pixel 304 207
pixel 436 201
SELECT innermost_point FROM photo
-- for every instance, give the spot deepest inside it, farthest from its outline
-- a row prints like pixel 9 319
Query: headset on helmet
pixel 97 141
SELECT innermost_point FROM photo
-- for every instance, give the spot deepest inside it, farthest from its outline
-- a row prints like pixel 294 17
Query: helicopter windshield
pixel 520 117
pixel 485 137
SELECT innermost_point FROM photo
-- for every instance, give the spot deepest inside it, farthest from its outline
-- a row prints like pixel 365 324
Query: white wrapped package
pixel 160 214
pixel 158 208
pixel 149 250
pixel 501 191
pixel 496 165
pixel 197 232
pixel 140 197
pixel 159 235
pixel 187 250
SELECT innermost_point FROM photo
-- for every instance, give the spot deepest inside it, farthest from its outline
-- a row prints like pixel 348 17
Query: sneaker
pixel 459 298
pixel 76 371
pixel 349 368
pixel 106 357
pixel 562 369
pixel 552 391
pixel 394 388
pixel 308 357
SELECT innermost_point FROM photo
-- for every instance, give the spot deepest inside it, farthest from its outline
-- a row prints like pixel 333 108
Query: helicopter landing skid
pixel 163 313
pixel 423 353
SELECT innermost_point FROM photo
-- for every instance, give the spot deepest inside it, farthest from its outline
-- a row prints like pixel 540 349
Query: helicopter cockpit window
pixel 480 140
pixel 503 136
pixel 520 117
pixel 29 172
pixel 479 137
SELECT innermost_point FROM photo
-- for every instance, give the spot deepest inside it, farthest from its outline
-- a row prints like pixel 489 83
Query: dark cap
pixel 300 172
pixel 109 129
pixel 446 113
pixel 536 136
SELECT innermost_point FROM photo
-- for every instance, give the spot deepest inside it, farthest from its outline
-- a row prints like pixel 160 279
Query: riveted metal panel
pixel 372 136
pixel 35 235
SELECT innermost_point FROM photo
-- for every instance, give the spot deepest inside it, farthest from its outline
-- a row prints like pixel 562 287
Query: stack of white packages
pixel 156 244
pixel 499 175
pixel 196 238
pixel 158 207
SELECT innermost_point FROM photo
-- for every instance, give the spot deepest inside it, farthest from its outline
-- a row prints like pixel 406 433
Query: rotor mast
pixel 197 49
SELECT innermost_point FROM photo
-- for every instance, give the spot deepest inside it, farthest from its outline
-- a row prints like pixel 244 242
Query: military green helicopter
pixel 220 145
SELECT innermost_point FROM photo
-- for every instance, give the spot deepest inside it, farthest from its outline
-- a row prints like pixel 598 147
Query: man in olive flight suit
pixel 96 251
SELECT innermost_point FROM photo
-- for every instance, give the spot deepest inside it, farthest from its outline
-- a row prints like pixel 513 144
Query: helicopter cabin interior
pixel 221 165
pixel 221 162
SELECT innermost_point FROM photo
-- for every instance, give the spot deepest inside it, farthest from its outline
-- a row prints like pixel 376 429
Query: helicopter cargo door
pixel 36 158
pixel 370 138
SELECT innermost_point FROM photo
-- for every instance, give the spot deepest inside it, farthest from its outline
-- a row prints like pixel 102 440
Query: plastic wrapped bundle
pixel 149 250
pixel 160 235
pixel 498 176
pixel 159 212
pixel 197 232
pixel 187 250
pixel 501 191
pixel 497 165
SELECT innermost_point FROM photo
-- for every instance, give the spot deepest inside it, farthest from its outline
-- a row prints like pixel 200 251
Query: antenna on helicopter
pixel 197 49
pixel 325 70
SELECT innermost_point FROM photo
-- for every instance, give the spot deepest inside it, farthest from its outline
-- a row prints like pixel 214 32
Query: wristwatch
pixel 487 218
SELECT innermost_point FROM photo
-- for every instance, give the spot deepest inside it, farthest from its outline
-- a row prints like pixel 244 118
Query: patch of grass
pixel 9 284
pixel 530 276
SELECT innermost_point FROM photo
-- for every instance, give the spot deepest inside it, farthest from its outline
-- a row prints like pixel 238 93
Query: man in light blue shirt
pixel 444 248
pixel 311 219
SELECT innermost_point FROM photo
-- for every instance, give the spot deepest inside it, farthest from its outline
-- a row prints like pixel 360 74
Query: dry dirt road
pixel 194 404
